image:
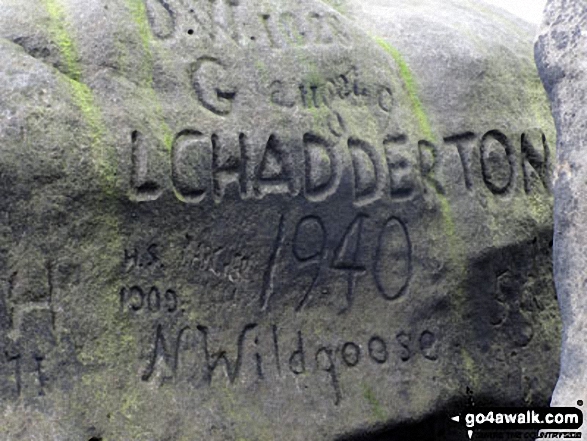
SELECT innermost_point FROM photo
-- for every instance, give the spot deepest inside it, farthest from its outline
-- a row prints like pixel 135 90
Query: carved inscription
pixel 30 291
pixel 146 298
pixel 187 355
pixel 213 85
pixel 28 324
pixel 206 166
pixel 308 252
pixel 498 159
pixel 322 166
pixel 138 258
pixel 347 87
pixel 391 267
pixel 347 257
pixel 497 162
pixel 370 174
pixel 512 309
pixel 536 161
pixel 143 182
pixel 161 18
pixel 403 167
pixel 150 300
pixel 223 20
pixel 225 265
pixel 428 157
pixel 191 158
pixel 460 141
pixel 213 20
pixel 306 29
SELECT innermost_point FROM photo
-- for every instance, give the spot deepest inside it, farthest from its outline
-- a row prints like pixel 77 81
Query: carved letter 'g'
pixel 214 85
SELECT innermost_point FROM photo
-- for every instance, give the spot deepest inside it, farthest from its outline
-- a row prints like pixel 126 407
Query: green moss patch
pixel 82 95
pixel 62 39
pixel 376 408
pixel 410 83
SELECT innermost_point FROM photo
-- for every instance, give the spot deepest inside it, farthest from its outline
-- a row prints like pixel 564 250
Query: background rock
pixel 229 220
pixel 560 59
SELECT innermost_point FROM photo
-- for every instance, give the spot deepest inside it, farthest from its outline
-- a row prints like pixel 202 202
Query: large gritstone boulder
pixel 561 62
pixel 270 220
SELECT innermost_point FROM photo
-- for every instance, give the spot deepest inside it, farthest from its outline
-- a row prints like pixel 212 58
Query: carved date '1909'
pixel 152 300
pixel 392 261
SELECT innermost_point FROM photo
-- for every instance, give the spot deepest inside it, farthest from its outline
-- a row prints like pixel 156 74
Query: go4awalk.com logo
pixel 543 422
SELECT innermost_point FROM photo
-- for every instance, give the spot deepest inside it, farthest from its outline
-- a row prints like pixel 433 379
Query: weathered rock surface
pixel 561 60
pixel 231 220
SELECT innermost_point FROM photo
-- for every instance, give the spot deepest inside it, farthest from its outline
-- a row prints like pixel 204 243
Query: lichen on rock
pixel 269 220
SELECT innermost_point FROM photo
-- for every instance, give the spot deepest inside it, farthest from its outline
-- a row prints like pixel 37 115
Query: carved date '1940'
pixel 393 249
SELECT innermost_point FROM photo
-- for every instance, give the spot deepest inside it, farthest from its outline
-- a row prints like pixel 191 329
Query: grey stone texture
pixel 560 57
pixel 262 220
